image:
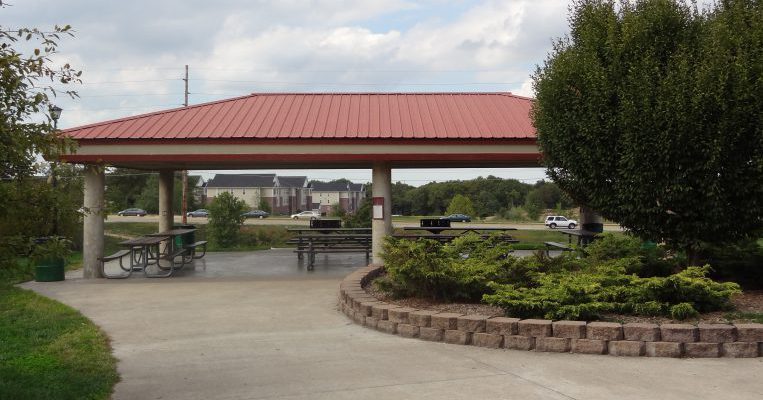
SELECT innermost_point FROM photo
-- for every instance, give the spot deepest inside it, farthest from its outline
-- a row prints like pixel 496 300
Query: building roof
pixel 329 186
pixel 292 181
pixel 241 181
pixel 356 187
pixel 329 116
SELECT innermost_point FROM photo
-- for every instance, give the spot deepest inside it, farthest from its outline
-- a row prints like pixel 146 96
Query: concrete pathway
pixel 259 326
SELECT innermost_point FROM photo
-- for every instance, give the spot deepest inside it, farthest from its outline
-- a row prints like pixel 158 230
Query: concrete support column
pixel 382 188
pixel 92 243
pixel 166 194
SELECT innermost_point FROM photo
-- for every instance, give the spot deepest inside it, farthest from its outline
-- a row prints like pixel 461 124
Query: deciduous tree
pixel 650 112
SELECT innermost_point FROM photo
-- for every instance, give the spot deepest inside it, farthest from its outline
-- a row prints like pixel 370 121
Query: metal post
pixel 184 204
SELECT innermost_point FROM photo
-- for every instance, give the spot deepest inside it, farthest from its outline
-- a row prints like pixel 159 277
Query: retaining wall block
pixel 399 315
pixel 604 331
pixel 628 348
pixel 664 349
pixel 589 346
pixel 518 342
pixel 534 327
pixel 702 350
pixel 366 307
pixel 749 332
pixel 642 332
pixel 381 310
pixel 431 334
pixel 359 318
pixel 569 329
pixel 357 301
pixel 552 344
pixel 421 318
pixel 679 333
pixel 739 349
pixel 387 326
pixel 717 333
pixel 372 322
pixel 457 337
pixel 407 330
pixel 471 323
pixel 446 321
pixel 487 340
pixel 501 326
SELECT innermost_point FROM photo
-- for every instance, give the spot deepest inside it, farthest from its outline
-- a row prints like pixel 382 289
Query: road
pixel 283 221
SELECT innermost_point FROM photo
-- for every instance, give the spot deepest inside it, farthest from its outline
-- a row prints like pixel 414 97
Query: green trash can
pixel 49 270
pixel 184 239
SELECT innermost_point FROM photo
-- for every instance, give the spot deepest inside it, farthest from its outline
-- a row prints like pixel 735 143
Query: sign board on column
pixel 378 209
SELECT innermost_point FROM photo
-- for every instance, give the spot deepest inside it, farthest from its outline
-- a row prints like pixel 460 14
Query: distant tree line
pixel 126 188
pixel 489 196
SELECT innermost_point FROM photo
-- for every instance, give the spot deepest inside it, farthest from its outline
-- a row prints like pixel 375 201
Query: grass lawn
pixel 47 349
pixel 50 351
pixel 252 237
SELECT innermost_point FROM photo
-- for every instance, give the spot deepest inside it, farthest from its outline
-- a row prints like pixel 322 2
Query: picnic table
pixel 146 250
pixel 454 232
pixel 314 241
pixel 584 237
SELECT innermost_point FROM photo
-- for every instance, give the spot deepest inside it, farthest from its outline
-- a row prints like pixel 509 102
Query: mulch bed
pixel 750 301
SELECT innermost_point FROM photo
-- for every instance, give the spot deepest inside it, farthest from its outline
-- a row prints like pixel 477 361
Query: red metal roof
pixel 330 116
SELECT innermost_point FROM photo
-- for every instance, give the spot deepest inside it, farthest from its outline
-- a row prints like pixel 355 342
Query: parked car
pixel 458 218
pixel 553 221
pixel 198 213
pixel 255 214
pixel 306 215
pixel 132 211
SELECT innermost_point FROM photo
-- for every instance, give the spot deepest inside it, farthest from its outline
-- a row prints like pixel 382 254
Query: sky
pixel 133 53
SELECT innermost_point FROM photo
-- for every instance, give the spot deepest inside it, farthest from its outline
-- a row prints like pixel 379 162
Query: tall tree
pixel 460 204
pixel 26 82
pixel 650 112
pixel 30 206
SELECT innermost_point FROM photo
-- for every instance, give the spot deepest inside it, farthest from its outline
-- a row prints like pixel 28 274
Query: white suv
pixel 306 215
pixel 557 220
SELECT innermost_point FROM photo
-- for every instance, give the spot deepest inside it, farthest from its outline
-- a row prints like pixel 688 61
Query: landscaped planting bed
pixel 465 291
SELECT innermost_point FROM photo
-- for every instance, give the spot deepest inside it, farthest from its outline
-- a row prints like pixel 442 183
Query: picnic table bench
pixel 145 250
pixel 332 243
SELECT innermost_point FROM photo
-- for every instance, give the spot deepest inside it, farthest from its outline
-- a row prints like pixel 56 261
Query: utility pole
pixel 184 206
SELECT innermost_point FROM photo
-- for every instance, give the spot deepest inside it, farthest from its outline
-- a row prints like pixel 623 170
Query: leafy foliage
pixel 23 98
pixel 649 112
pixel 460 204
pixel 225 219
pixel 618 276
pixel 427 268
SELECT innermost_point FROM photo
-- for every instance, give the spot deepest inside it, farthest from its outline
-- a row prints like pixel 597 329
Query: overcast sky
pixel 132 53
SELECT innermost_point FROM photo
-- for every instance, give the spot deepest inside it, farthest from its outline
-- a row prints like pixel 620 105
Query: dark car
pixel 198 213
pixel 132 211
pixel 255 214
pixel 458 218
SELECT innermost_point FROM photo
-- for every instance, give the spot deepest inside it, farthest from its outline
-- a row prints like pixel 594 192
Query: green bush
pixel 225 220
pixel 608 288
pixel 740 262
pixel 460 270
pixel 682 311
pixel 619 275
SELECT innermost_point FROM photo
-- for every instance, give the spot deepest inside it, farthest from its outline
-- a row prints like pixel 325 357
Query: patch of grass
pixel 50 351
pixel 133 229
pixel 748 316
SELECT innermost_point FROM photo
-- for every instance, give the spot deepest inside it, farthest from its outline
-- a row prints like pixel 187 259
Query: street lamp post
pixel 55 114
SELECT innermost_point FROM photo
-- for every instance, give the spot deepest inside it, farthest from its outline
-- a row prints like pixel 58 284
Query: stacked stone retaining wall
pixel 632 339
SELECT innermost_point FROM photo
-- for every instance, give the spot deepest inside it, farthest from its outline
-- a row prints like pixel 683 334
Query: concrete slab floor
pixel 256 326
